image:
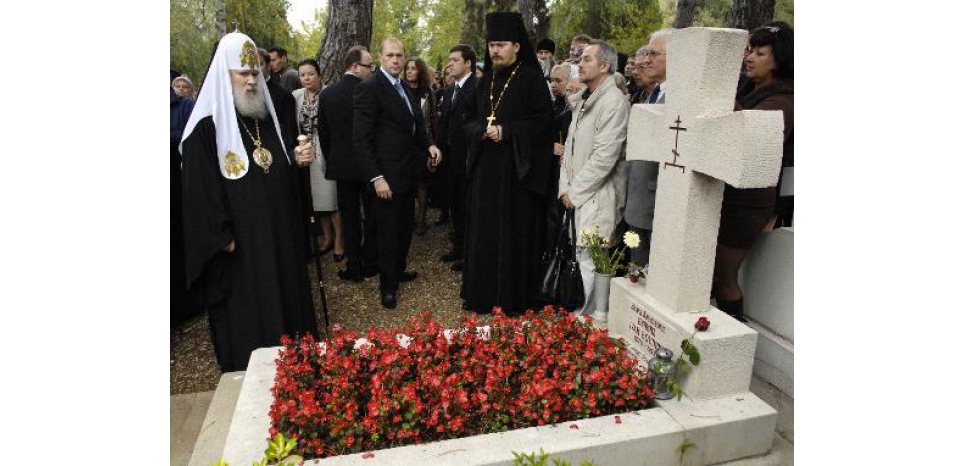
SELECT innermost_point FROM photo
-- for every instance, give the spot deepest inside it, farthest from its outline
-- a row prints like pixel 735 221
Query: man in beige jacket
pixel 593 175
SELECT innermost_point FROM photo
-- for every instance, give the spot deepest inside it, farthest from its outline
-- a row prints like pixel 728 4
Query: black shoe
pixel 456 266
pixel 450 256
pixel 388 299
pixel 350 276
pixel 407 276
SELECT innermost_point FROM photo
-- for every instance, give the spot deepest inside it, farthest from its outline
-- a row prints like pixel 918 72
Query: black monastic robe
pixel 509 183
pixel 261 290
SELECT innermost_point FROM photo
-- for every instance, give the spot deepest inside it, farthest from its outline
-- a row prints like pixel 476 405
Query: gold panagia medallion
pixel 262 157
pixel 233 164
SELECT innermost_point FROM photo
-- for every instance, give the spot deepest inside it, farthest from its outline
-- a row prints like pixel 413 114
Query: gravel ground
pixel 356 306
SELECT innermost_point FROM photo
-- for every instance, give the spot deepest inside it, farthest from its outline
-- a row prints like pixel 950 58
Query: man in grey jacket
pixel 593 175
pixel 642 180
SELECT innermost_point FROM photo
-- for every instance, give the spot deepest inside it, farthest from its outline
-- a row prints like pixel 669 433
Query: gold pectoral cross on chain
pixel 490 119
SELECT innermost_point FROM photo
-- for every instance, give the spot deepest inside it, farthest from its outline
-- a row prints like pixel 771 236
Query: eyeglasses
pixel 650 53
pixel 367 65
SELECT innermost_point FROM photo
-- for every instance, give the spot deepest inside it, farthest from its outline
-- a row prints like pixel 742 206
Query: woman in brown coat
pixel 746 213
pixel 419 79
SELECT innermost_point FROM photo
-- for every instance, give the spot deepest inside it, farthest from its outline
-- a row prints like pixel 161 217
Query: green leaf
pixel 293 460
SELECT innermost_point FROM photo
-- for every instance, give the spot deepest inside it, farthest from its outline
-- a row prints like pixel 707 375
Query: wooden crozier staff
pixel 307 182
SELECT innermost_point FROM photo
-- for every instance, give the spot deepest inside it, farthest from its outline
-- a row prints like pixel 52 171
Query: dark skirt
pixel 743 215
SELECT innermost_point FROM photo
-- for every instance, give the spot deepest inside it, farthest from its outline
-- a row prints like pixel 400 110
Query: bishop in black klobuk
pixel 508 171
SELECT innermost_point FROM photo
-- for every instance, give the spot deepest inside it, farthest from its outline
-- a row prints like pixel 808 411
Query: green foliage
pixel 279 447
pixel 308 37
pixel 784 11
pixel 194 33
pixel 542 459
pixel 685 445
pixel 713 13
pixel 625 24
pixel 716 13
pixel 265 21
pixel 193 37
pixel 690 350
pixel 427 28
pixel 401 19
pixel 278 453
pixel 442 31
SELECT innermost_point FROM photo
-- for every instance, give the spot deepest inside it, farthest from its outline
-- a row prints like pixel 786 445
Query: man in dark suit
pixel 452 142
pixel 390 139
pixel 642 177
pixel 341 164
pixel 283 101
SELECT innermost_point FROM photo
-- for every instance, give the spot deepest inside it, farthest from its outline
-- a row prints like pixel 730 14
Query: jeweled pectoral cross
pixel 490 119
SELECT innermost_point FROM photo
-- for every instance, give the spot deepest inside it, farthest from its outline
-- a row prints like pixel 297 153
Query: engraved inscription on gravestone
pixel 646 332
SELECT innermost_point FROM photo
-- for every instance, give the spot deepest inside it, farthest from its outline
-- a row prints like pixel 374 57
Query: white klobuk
pixel 719 416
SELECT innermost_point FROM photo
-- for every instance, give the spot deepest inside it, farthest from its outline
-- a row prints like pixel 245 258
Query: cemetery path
pixel 355 306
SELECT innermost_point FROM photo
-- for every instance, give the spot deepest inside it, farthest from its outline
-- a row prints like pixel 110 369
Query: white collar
pixel 462 81
pixel 392 79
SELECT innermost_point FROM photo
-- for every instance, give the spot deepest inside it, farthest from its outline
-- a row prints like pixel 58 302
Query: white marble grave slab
pixel 651 434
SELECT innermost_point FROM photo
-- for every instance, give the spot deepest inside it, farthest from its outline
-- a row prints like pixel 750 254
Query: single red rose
pixel 702 324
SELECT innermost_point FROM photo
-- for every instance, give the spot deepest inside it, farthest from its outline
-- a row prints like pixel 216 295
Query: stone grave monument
pixel 700 143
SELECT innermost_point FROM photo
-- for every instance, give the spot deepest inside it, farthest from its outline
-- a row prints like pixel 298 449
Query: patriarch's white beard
pixel 250 104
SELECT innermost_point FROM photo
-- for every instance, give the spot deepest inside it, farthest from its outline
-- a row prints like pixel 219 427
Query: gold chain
pixel 255 140
pixel 494 107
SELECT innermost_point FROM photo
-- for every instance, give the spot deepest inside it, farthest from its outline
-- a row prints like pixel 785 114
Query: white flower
pixel 588 231
pixel 631 239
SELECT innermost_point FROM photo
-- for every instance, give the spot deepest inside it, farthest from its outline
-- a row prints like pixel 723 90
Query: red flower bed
pixel 540 369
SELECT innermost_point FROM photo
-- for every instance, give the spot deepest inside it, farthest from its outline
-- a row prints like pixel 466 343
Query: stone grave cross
pixel 700 144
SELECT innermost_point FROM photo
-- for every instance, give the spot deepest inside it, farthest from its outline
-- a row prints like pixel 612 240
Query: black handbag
pixel 562 284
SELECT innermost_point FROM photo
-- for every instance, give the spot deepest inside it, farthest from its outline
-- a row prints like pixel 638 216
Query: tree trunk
pixel 474 28
pixel 219 19
pixel 592 25
pixel 534 13
pixel 502 5
pixel 685 13
pixel 349 23
pixel 751 14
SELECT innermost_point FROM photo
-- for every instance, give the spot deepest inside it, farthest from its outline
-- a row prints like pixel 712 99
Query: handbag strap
pixel 572 230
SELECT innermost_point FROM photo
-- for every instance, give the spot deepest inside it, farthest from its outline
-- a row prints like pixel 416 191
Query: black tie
pixel 455 92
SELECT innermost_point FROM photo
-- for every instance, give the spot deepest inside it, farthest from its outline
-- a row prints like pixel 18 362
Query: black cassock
pixel 509 184
pixel 261 290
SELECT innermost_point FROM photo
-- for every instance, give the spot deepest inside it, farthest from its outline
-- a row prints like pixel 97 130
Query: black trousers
pixel 457 188
pixel 394 220
pixel 358 227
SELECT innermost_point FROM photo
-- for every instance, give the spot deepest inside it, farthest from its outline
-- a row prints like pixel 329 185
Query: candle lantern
pixel 661 370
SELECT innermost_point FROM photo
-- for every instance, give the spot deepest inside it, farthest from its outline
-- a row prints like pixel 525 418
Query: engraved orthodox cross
pixel 700 144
